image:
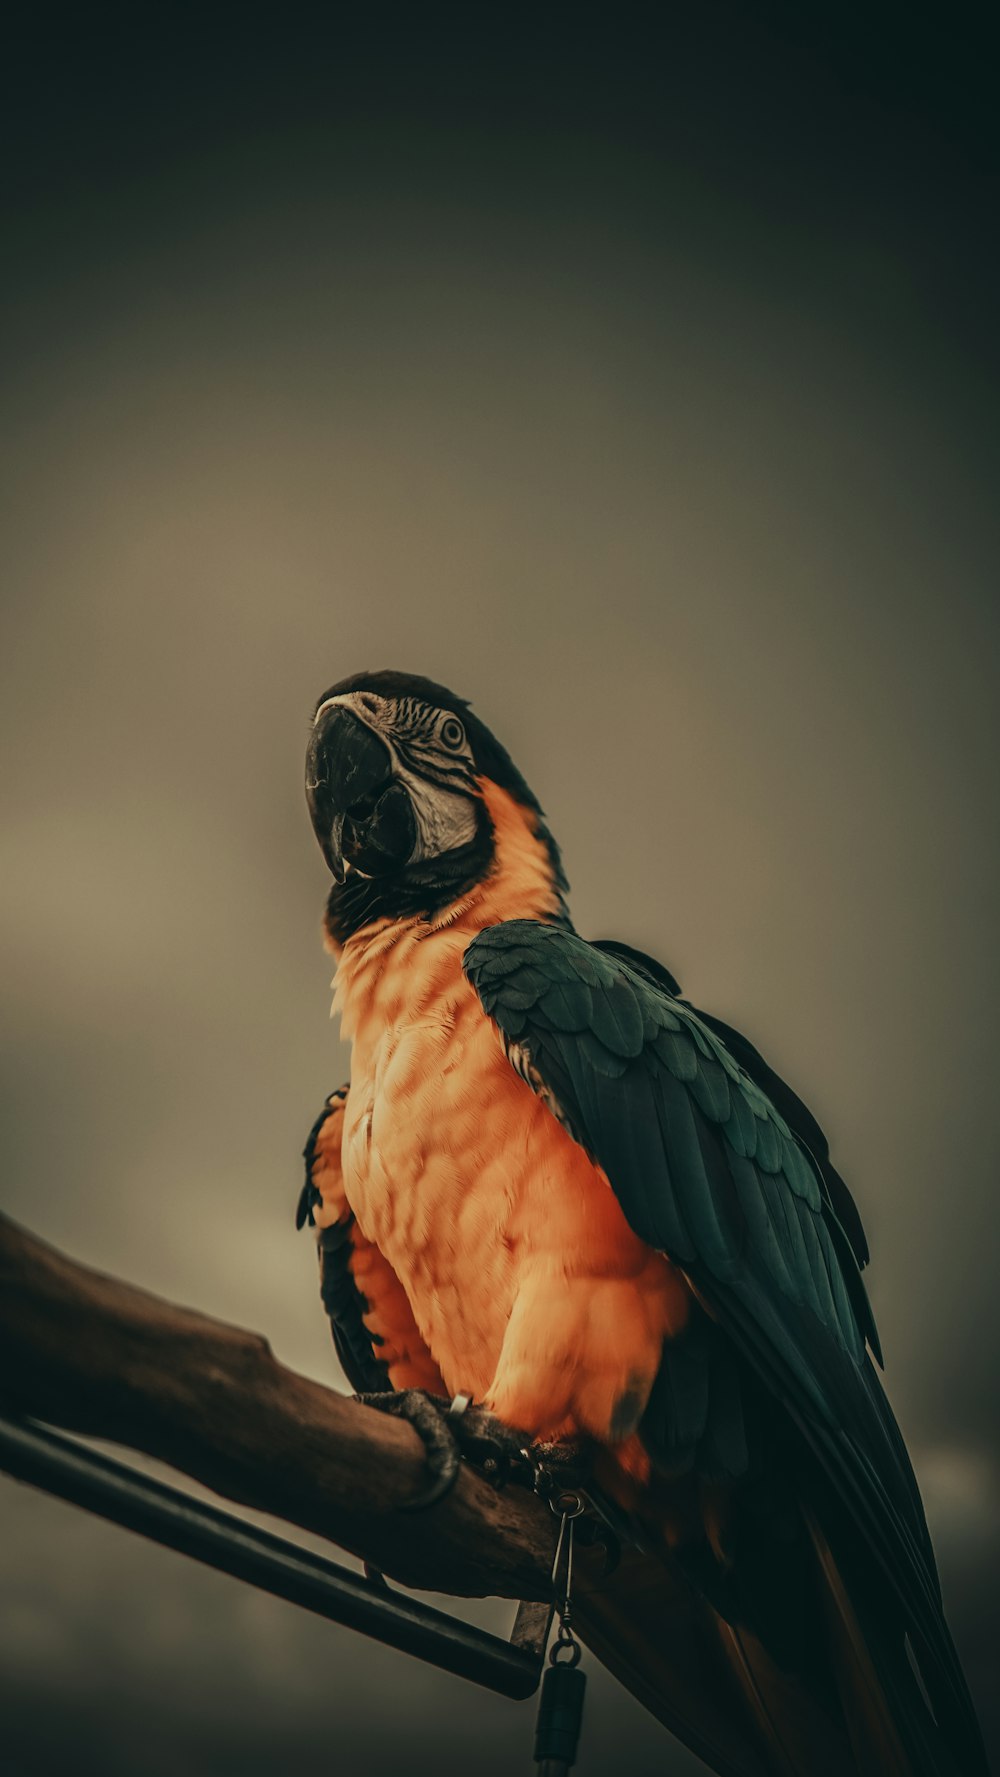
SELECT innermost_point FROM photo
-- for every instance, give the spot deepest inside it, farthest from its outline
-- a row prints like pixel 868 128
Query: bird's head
pixel 398 778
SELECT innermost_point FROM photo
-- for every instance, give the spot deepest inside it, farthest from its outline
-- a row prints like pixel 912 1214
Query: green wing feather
pixel 709 1171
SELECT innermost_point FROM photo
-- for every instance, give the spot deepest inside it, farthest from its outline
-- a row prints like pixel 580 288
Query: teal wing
pixel 709 1171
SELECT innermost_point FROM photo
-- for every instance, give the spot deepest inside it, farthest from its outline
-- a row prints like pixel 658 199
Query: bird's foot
pixel 560 1468
pixel 453 1429
pixel 430 1416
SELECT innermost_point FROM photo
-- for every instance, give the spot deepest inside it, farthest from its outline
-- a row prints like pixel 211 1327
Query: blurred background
pixel 638 382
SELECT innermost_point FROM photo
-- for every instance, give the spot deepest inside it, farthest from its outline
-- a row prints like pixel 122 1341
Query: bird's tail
pixel 854 1707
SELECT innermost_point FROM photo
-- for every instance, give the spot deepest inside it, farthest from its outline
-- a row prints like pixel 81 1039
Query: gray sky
pixel 692 491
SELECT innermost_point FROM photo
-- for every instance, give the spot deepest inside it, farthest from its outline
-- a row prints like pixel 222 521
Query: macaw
pixel 556 1187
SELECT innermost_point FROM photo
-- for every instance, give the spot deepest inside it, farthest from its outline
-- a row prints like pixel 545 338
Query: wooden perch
pixel 90 1354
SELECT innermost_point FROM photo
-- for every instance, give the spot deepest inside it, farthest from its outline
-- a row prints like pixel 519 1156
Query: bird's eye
pixel 453 734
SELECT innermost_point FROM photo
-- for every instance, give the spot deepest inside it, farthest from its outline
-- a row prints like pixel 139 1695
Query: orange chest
pixel 440 1135
pixel 436 1127
pixel 454 1169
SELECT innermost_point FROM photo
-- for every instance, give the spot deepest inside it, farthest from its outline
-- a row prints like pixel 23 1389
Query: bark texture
pixel 91 1354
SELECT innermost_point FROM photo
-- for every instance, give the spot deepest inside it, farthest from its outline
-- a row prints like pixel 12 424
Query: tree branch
pixel 91 1354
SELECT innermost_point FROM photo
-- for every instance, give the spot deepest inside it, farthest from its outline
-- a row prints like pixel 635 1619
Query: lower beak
pixel 333 850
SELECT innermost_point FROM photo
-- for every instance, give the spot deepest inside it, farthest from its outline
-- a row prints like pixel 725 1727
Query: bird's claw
pixel 559 1468
pixel 429 1416
pixel 453 1429
pixel 498 1450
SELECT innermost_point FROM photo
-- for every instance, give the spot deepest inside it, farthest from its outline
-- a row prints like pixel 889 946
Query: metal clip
pixel 561 1705
pixel 567 1507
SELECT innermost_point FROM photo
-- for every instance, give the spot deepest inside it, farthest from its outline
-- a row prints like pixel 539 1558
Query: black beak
pixel 359 812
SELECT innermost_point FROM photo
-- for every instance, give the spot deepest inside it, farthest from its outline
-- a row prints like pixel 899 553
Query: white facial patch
pixel 444 818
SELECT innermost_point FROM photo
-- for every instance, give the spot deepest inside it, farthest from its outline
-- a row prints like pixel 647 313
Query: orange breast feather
pixel 528 1288
pixel 388 1315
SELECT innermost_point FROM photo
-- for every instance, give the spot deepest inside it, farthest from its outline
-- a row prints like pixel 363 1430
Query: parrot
pixel 555 1188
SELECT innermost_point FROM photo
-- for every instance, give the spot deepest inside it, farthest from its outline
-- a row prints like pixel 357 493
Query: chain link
pixel 567 1507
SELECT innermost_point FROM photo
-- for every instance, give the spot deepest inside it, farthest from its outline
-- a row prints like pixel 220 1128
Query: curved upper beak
pixel 347 768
